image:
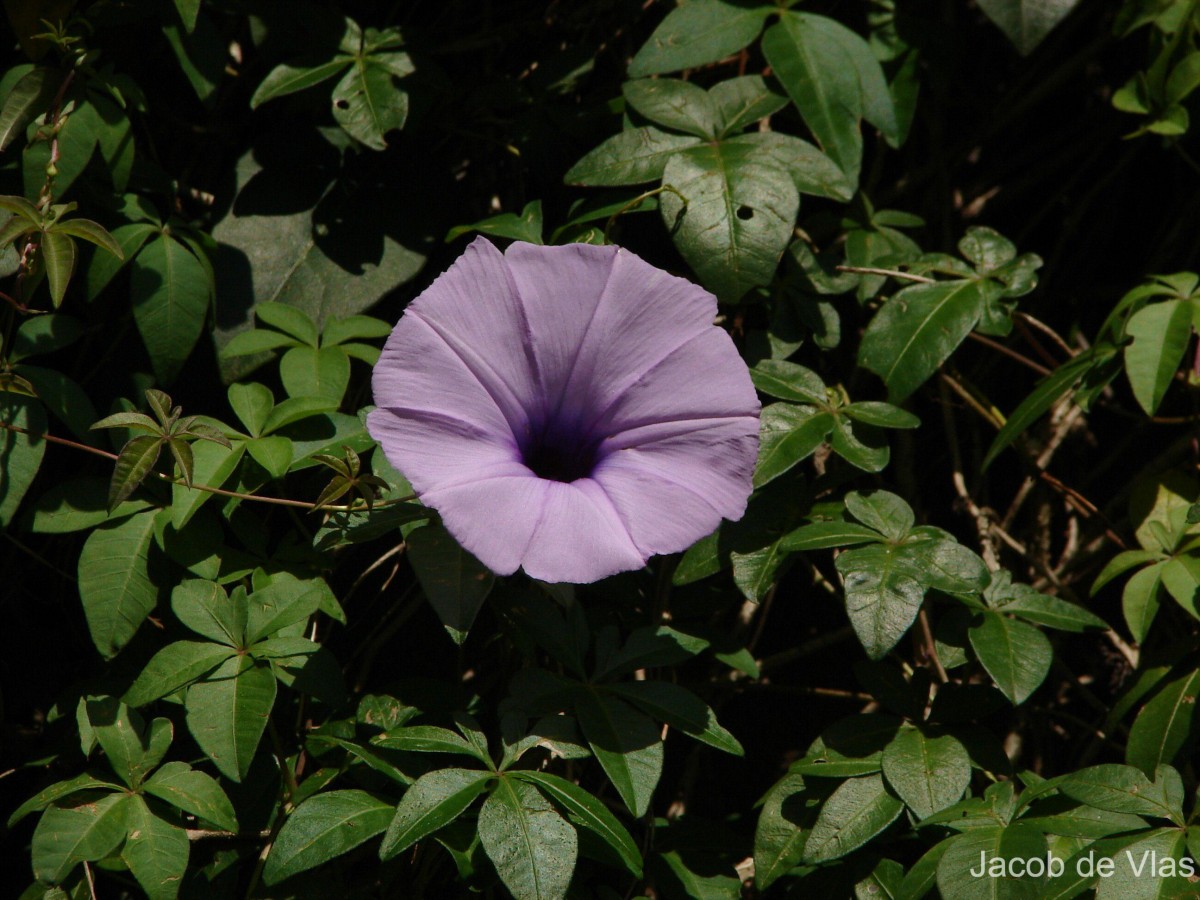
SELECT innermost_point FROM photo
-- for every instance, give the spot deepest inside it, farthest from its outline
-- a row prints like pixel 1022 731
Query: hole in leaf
pixel 342 104
pixel 745 213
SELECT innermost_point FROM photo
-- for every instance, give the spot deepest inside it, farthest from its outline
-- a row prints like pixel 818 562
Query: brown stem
pixel 278 501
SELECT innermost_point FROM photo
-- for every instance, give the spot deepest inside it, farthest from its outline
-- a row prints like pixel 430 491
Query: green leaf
pixel 532 846
pixel 22 453
pixel 170 289
pixel 89 828
pixel 634 156
pixel 132 750
pixel 833 83
pixel 228 711
pixel 1140 600
pixel 76 505
pixel 290 320
pixel 44 334
pixel 882 415
pixel 188 11
pixel 963 855
pixel 929 771
pixel 114 584
pixel 754 571
pixel 1016 655
pixel 1026 22
pixel 735 216
pixel 586 811
pixel 743 101
pixel 320 373
pixel 213 466
pixel 285 79
pixel 434 800
pixel 1121 789
pixel 626 743
pixel 324 827
pixel 1052 612
pixel 527 226
pixel 882 511
pixel 858 810
pixel 696 33
pixel 279 604
pixel 1181 578
pixel 63 397
pixel 679 708
pixel 429 739
pixel 92 232
pixel 1151 868
pixel 778 839
pixel 183 787
pixel 1166 725
pixel 134 463
pixel 820 535
pixel 788 434
pixel 883 595
pixel 174 666
pixel 917 330
pixel 156 851
pixel 368 104
pixel 272 453
pixel 455 582
pixel 788 381
pixel 56 792
pixel 29 97
pixel 1160 332
pixel 59 254
pixel 675 104
pixel 103 267
pixel 257 340
pixel 205 608
pixel 357 245
pixel 252 403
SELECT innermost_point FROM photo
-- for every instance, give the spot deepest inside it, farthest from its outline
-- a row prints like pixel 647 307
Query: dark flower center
pixel 563 458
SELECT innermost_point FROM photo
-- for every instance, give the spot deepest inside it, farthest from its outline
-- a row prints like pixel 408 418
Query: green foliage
pixel 242 658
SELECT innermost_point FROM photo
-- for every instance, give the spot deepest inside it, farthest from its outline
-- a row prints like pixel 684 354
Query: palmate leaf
pixel 675 104
pixel 288 79
pixel 135 461
pixel 323 827
pixel 58 254
pixel 626 743
pixel 88 827
pixel 585 811
pixel 227 713
pixel 157 852
pixel 171 289
pixel 455 583
pixel 1027 22
pixel 532 847
pixel 731 214
pixel 858 810
pixel 368 104
pixel 634 156
pixel 114 581
pixel 698 32
pixel 435 800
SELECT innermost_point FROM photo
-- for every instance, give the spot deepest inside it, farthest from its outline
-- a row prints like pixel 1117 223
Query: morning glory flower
pixel 568 410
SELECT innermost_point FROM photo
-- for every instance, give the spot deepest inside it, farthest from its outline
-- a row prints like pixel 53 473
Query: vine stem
pixel 278 501
pixel 891 273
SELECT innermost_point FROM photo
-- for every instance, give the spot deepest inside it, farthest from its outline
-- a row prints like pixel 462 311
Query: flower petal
pixel 494 518
pixel 473 307
pixel 703 378
pixel 674 490
pixel 560 291
pixel 436 450
pixel 580 537
pixel 600 317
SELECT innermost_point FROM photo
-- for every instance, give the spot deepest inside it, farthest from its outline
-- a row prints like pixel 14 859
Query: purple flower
pixel 570 410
